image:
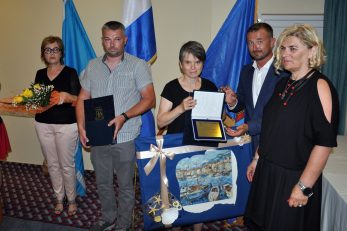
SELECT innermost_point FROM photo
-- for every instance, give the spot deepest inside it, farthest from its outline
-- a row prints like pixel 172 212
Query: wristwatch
pixel 305 190
pixel 125 116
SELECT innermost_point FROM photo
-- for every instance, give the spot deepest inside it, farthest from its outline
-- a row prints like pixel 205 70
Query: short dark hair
pixel 52 39
pixel 194 48
pixel 261 25
pixel 113 25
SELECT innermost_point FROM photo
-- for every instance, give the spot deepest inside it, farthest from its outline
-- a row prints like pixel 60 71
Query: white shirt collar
pixel 266 66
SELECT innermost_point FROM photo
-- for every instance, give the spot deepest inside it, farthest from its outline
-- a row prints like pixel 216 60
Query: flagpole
pixel 256 11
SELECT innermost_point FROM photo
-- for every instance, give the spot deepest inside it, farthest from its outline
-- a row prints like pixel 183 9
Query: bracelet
pixel 255 158
pixel 125 116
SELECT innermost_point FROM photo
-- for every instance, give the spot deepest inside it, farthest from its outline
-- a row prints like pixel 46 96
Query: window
pixel 281 21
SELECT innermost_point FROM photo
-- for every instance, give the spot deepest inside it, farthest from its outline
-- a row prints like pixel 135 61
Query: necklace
pixel 293 86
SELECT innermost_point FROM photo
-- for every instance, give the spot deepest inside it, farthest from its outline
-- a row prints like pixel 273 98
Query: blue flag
pixel 139 27
pixel 78 49
pixel 228 51
pixel 78 52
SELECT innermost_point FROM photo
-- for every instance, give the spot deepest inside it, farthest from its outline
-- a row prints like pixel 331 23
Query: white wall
pixel 25 23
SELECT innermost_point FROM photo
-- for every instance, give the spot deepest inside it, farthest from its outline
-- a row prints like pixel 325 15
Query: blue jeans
pixel 106 160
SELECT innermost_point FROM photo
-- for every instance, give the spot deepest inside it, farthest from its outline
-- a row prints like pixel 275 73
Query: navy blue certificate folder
pixel 98 112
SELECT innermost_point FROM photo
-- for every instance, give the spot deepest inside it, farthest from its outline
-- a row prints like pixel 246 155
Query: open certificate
pixel 207 116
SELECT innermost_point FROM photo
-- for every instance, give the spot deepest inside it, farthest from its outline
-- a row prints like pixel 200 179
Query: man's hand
pixel 83 138
pixel 118 122
pixel 240 130
pixel 230 96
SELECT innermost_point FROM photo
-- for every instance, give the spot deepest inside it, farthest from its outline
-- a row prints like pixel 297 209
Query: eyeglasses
pixel 54 50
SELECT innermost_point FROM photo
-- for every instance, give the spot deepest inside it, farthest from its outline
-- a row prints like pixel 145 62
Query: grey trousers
pixel 106 160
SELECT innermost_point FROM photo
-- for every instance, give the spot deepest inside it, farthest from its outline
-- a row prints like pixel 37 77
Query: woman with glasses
pixel 56 128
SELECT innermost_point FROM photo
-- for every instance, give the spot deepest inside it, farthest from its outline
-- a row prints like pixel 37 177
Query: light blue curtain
pixel 335 42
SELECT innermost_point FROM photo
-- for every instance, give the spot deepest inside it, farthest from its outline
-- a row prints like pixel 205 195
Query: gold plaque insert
pixel 208 129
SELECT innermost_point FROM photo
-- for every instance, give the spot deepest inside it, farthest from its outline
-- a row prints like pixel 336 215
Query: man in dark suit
pixel 256 83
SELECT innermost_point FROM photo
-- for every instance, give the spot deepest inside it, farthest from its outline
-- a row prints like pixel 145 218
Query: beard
pixel 260 55
pixel 114 53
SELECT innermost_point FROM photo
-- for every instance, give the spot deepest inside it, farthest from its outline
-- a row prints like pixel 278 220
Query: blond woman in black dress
pixel 299 130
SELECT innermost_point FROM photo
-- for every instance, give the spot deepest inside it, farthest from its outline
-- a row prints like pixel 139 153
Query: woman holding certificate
pixel 176 100
pixel 177 97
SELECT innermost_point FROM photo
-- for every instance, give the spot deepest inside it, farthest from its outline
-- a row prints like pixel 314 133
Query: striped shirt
pixel 124 82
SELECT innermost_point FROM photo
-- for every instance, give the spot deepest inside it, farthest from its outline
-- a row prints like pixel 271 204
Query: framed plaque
pixel 207 116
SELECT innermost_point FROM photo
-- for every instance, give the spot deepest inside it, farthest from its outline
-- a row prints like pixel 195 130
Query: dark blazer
pixel 253 115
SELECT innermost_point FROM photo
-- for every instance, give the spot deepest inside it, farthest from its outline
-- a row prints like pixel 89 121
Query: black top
pixel 66 81
pixel 174 92
pixel 290 132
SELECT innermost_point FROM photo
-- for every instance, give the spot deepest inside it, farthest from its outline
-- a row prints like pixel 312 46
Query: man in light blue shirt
pixel 129 80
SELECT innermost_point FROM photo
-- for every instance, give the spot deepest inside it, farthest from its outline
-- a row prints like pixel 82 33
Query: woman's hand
pixel 55 97
pixel 62 97
pixel 251 169
pixel 297 198
pixel 188 104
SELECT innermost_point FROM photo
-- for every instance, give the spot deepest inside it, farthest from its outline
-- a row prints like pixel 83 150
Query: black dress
pixel 288 136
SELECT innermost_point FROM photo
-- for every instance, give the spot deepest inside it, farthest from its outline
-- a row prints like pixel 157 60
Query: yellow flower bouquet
pixel 34 97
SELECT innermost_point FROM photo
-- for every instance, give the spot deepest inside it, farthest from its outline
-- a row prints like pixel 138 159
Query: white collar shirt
pixel 258 78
